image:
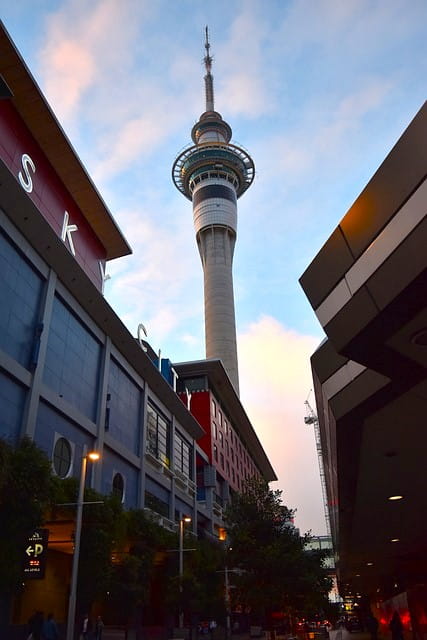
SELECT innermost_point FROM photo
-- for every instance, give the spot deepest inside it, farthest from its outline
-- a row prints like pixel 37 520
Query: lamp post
pixel 93 455
pixel 181 565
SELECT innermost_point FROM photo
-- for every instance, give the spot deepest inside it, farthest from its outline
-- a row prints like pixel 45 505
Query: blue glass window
pixel 72 360
pixel 12 398
pixel 124 406
pixel 21 287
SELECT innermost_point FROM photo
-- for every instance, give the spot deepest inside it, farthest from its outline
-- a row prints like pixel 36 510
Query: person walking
pixel 86 627
pixel 372 626
pixel 99 625
pixel 396 627
pixel 35 625
pixel 50 628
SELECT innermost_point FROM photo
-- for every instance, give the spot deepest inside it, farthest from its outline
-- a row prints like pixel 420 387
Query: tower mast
pixel 213 173
pixel 209 92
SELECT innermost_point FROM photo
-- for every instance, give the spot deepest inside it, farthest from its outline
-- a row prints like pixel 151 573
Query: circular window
pixel 62 457
pixel 118 486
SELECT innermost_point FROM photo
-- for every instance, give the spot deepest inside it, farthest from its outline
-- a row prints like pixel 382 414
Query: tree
pixel 103 526
pixel 143 543
pixel 26 491
pixel 278 573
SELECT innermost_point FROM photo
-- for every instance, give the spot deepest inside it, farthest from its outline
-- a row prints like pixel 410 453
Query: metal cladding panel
pixel 399 175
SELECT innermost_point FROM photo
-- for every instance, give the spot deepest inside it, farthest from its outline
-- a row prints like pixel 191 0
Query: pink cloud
pixel 275 380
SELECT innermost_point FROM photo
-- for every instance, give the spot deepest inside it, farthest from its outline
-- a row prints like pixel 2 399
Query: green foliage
pixel 142 543
pixel 202 594
pixel 278 573
pixel 26 490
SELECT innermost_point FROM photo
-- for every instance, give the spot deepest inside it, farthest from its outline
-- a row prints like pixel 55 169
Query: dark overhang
pixel 367 285
pixel 33 108
pixel 225 392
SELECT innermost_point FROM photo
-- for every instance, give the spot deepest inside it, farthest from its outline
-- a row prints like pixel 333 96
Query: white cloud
pixel 275 380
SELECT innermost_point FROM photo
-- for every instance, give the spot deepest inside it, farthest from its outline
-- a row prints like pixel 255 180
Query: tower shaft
pixel 213 174
pixel 216 248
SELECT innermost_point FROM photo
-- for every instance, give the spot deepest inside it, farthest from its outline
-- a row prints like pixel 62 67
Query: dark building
pixel 368 287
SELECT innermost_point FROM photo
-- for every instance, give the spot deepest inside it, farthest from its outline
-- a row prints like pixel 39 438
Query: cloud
pixel 275 380
pixel 77 51
pixel 243 86
pixel 156 284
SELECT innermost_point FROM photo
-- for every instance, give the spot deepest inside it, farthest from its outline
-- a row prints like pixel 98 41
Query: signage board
pixel 35 554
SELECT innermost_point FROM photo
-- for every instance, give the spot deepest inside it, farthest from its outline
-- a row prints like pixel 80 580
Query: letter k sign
pixel 67 230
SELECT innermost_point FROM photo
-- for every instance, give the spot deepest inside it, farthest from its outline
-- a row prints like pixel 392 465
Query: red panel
pixel 201 410
pixel 48 192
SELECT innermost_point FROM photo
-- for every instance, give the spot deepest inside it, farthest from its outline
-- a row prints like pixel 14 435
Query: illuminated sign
pixel 35 554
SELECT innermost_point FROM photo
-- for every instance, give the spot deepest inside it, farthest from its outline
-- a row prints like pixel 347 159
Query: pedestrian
pixel 99 625
pixel 212 627
pixel 396 627
pixel 35 625
pixel 50 628
pixel 86 627
pixel 372 626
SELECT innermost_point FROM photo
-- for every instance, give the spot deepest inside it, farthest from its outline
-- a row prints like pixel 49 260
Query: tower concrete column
pixel 213 173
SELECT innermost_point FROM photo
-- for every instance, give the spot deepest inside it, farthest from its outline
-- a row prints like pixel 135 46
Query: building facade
pixel 367 286
pixel 230 445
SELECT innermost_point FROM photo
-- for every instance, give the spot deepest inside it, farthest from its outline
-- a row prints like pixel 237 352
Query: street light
pixel 181 565
pixel 93 455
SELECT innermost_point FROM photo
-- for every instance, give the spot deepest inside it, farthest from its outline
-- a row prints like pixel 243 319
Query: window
pixel 21 289
pixel 73 359
pixel 158 436
pixel 213 408
pixel 156 504
pixel 221 438
pixel 216 452
pixel 119 486
pixel 182 456
pixel 62 456
pixel 124 404
pixel 221 455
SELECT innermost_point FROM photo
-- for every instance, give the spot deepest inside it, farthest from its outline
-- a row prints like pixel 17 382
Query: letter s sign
pixel 25 178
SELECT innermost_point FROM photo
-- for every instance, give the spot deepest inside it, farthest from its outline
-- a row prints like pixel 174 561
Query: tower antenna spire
pixel 209 92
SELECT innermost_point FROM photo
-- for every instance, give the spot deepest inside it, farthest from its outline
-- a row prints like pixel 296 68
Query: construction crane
pixel 311 418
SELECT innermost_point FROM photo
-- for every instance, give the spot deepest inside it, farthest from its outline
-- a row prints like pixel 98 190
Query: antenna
pixel 209 92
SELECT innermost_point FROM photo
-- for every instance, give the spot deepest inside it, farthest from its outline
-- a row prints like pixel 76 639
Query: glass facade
pixel 12 397
pixel 157 498
pixel 124 408
pixel 21 288
pixel 182 456
pixel 72 360
pixel 158 435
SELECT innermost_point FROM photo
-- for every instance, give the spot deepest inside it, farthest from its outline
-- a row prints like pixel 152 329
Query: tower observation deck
pixel 213 173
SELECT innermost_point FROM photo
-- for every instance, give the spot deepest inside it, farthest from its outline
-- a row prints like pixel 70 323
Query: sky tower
pixel 213 174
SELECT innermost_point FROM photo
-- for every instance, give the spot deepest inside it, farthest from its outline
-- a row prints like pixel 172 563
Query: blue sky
pixel 318 91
